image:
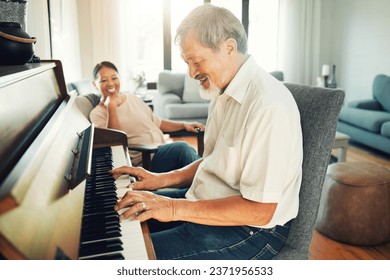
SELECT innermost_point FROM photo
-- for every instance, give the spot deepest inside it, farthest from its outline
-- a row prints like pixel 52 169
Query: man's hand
pixel 143 205
pixel 146 180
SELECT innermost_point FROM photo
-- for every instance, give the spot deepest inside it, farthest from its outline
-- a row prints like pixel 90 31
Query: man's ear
pixel 231 46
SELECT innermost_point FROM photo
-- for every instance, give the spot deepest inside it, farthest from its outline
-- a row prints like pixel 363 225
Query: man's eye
pixel 198 62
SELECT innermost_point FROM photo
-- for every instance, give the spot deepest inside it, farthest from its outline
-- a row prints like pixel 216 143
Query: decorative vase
pixel 16 46
pixel 332 79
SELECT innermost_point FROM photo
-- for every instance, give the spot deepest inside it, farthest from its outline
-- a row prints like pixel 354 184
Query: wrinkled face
pixel 210 68
pixel 108 82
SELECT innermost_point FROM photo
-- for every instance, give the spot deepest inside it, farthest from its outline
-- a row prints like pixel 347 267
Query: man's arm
pixel 154 181
pixel 229 211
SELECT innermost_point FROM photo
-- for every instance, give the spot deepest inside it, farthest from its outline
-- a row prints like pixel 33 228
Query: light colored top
pixel 138 121
pixel 253 145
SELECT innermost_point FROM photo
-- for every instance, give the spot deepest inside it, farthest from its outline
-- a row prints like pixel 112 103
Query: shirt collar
pixel 238 85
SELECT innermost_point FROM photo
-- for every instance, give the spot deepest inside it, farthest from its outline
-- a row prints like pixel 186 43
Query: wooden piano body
pixel 40 206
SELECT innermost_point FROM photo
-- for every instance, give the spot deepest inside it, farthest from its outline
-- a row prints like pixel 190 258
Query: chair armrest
pixel 368 104
pixel 144 148
pixel 146 152
pixel 183 133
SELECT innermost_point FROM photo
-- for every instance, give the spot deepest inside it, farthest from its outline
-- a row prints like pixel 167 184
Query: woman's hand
pixel 194 127
pixel 146 180
pixel 113 100
pixel 143 205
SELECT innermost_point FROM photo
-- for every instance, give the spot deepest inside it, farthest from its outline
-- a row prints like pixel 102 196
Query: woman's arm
pixel 170 126
pixel 112 113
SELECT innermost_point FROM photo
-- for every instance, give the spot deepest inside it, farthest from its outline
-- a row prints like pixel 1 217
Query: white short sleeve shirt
pixel 253 144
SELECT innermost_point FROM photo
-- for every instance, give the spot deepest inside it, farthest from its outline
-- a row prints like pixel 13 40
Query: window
pixel 143 22
pixel 263 33
pixel 138 36
pixel 179 9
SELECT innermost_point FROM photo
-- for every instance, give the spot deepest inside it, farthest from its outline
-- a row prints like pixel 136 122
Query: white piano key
pixel 133 241
pixel 134 247
pixel 132 238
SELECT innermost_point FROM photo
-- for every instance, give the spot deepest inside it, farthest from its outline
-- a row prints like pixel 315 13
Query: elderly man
pixel 244 191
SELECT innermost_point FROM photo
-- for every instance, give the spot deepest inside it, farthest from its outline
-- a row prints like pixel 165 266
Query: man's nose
pixel 192 71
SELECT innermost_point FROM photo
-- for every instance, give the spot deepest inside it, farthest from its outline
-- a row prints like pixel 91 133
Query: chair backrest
pixel 319 109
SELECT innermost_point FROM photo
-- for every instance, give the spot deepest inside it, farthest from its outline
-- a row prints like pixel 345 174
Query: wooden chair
pixel 148 150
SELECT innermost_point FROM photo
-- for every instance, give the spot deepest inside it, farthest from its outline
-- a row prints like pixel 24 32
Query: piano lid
pixel 30 95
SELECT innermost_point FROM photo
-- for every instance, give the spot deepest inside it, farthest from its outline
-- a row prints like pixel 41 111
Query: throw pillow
pixel 381 90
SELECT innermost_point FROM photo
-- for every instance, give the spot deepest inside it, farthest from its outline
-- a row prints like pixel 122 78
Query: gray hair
pixel 212 26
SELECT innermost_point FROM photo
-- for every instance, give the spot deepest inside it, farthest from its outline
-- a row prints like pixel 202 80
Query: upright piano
pixel 56 196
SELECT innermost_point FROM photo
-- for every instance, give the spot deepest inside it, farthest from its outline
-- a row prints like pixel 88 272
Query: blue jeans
pixel 173 156
pixel 189 241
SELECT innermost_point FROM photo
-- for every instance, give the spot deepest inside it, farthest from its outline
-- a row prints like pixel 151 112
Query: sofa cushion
pixel 191 91
pixel 82 87
pixel 385 129
pixel 366 119
pixel 87 102
pixel 186 110
pixel 368 104
pixel 170 82
pixel 381 90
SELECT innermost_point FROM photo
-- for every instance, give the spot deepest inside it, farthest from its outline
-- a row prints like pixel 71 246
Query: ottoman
pixel 355 204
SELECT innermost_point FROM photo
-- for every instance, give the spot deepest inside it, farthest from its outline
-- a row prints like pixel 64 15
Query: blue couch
pixel 368 121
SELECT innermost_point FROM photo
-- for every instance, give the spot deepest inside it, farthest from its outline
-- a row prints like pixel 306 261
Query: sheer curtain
pixel 129 34
pixel 106 30
pixel 299 40
pixel 65 37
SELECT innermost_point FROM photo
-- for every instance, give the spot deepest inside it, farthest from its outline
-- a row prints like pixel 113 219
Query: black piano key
pixel 98 226
pixel 101 203
pixel 101 247
pixel 100 232
pixel 101 236
pixel 92 211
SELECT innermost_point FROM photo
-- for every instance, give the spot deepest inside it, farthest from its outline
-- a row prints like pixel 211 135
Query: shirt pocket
pixel 223 162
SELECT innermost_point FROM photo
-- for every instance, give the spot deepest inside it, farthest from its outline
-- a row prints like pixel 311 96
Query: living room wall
pixel 355 36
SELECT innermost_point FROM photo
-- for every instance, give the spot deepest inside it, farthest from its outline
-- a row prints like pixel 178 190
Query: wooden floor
pixel 324 248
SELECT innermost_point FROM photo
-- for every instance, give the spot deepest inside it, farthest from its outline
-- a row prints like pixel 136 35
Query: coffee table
pixel 341 143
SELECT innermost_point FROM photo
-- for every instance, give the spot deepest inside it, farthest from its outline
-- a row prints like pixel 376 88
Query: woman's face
pixel 108 82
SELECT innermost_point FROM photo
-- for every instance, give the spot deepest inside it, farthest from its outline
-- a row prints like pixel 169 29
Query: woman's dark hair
pixel 100 66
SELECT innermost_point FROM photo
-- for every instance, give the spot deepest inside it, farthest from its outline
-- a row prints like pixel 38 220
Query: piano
pixel 56 197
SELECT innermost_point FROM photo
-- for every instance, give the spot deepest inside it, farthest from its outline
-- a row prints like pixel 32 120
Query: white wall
pixel 356 37
pixel 38 26
pixel 84 18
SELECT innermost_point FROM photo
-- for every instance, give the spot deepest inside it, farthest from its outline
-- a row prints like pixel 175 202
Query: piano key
pixel 101 224
pixel 102 247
